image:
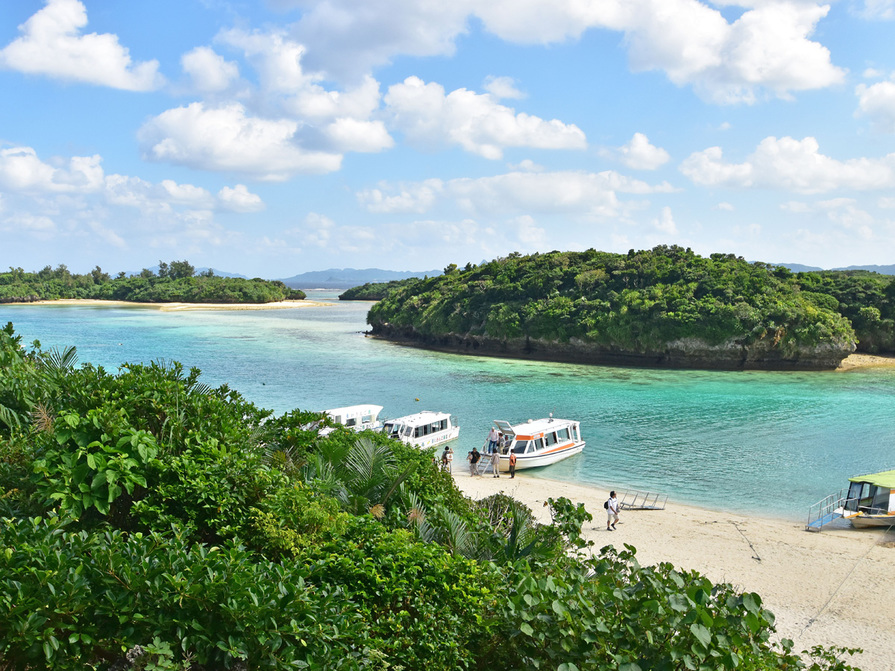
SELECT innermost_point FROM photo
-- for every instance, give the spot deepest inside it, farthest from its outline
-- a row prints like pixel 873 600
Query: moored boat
pixel 538 442
pixel 870 501
pixel 357 417
pixel 423 429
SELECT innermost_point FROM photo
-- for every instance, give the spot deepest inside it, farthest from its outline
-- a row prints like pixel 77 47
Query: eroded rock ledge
pixel 684 353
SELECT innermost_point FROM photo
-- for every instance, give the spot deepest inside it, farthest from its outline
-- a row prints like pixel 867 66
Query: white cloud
pixel 419 197
pixel 40 225
pixel 845 213
pixel 209 72
pixel 503 87
pixel 354 135
pixel 52 44
pixel 878 10
pixel 226 139
pixel 795 165
pixel 877 102
pixel 639 154
pixel 107 235
pixel 347 39
pixel 473 121
pixel 724 207
pixel 665 222
pixel 526 165
pixel 766 48
pixel 276 58
pixel 239 199
pixel 186 194
pixel 21 170
pixel 569 192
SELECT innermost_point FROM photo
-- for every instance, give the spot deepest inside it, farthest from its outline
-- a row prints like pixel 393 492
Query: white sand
pixel 178 307
pixel 829 588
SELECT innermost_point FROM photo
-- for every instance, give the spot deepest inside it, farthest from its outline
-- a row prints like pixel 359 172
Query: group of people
pixel 494 456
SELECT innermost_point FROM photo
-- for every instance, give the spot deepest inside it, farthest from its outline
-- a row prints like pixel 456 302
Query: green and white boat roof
pixel 884 479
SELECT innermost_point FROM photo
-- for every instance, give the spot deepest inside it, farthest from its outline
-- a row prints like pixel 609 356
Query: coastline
pixel 828 588
pixel 178 307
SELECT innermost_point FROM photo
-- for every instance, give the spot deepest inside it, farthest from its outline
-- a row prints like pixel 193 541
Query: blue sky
pixel 278 137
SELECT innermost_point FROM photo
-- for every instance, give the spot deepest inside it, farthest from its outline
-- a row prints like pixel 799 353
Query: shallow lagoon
pixel 767 442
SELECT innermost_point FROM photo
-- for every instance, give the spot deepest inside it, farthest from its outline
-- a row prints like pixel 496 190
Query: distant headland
pixel 175 282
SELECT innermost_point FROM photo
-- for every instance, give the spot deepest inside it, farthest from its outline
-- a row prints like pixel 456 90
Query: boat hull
pixel 544 458
pixel 872 521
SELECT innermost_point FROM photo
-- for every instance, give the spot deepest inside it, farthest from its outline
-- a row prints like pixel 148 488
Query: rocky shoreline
pixel 684 353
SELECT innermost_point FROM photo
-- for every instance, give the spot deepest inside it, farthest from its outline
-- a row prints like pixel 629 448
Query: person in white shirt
pixel 611 512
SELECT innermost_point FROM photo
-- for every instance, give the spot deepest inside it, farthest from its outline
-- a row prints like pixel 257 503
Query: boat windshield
pixel 520 446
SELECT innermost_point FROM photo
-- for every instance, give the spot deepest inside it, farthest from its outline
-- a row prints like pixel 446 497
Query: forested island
pixel 662 307
pixel 375 291
pixel 148 521
pixel 175 282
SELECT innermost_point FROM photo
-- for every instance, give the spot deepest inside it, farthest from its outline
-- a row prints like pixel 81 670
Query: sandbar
pixel 829 588
pixel 853 361
pixel 179 307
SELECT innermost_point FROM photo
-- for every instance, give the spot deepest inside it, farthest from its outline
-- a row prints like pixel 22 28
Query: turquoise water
pixel 772 443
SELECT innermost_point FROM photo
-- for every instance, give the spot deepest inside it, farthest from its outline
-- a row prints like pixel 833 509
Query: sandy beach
pixel 830 588
pixel 180 307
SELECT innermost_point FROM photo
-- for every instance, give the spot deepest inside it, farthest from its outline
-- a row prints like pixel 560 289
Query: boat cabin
pixel 423 429
pixel 357 417
pixel 871 499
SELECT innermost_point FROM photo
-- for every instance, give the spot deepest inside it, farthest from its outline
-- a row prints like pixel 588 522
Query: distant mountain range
pixel 799 268
pixel 345 278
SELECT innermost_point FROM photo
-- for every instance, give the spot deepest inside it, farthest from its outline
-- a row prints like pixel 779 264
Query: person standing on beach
pixel 512 465
pixel 473 460
pixel 611 512
pixel 495 463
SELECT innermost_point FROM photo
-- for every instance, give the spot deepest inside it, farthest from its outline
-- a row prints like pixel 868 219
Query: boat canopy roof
pixel 424 417
pixel 884 479
pixel 355 410
pixel 532 426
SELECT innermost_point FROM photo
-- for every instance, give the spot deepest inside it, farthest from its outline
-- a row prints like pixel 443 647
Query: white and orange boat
pixel 538 442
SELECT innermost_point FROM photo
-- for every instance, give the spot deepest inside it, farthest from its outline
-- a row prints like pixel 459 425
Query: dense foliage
pixel 150 522
pixel 175 282
pixel 865 298
pixel 643 301
pixel 375 291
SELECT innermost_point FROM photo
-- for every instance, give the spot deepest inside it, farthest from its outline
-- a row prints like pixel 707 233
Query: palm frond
pixel 58 362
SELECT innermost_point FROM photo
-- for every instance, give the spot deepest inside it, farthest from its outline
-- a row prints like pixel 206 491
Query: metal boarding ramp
pixel 825 511
pixel 637 500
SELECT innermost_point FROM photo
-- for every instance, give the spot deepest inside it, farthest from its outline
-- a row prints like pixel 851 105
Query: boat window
pixel 367 419
pixel 442 425
pixel 537 444
pixel 550 439
pixel 407 431
pixel 418 431
pixel 520 447
pixel 563 434
pixel 337 419
pixel 350 422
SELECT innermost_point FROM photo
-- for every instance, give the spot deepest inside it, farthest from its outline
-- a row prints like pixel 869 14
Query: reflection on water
pixel 767 442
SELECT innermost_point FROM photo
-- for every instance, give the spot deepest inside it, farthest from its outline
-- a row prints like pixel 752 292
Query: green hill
pixel 662 307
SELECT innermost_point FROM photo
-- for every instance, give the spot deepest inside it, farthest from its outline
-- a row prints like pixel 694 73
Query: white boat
pixel 357 417
pixel 423 429
pixel 538 442
pixel 870 501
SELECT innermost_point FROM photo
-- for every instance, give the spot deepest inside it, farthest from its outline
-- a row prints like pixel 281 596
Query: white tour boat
pixel 357 417
pixel 538 442
pixel 423 429
pixel 870 501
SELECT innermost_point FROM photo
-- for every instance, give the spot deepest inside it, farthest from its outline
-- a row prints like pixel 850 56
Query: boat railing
pixel 826 510
pixel 639 500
